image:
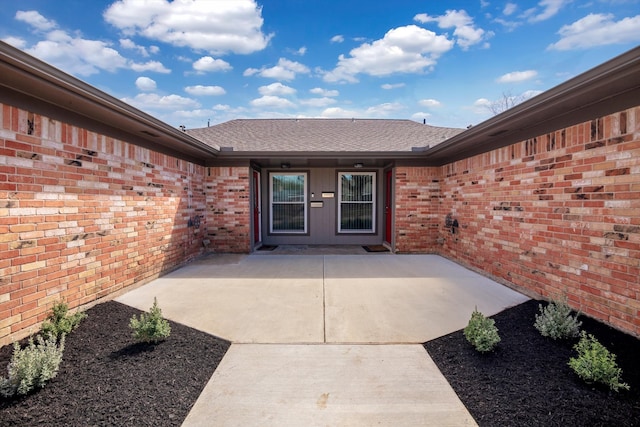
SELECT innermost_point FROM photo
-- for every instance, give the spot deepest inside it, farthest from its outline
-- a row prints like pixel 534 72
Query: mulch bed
pixel 106 379
pixel 526 381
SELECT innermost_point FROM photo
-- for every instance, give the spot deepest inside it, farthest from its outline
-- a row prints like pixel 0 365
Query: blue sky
pixel 194 62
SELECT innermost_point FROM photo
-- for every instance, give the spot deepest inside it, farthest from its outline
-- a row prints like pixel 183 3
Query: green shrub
pixel 151 327
pixel 595 364
pixel 555 321
pixel 58 323
pixel 32 366
pixel 481 332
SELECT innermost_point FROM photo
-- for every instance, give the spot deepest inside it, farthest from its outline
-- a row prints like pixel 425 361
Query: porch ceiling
pixel 305 159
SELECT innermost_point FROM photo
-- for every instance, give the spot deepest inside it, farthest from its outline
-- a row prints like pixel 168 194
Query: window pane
pixel 288 188
pixel 357 202
pixel 357 188
pixel 288 203
pixel 288 217
pixel 356 216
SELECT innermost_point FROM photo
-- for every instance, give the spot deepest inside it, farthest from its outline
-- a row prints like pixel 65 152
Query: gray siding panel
pixel 322 225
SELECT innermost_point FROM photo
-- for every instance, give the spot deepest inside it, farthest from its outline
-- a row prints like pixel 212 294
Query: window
pixel 356 209
pixel 288 201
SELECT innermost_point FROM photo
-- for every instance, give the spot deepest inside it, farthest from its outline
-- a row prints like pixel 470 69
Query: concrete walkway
pixel 308 334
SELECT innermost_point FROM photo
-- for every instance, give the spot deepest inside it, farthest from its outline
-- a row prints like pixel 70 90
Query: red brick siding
pixel 558 215
pixel 83 216
pixel 228 209
pixel 417 216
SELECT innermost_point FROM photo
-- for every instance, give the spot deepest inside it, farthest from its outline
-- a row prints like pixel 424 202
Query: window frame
pixel 373 202
pixel 304 203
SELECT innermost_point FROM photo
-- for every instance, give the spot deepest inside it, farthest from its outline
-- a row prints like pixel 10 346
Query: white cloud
pixel 318 102
pixel 408 49
pixel 145 84
pixel 375 111
pixel 214 26
pixel 481 106
pixel 549 9
pixel 509 25
pixel 130 44
pixel 465 31
pixel 530 94
pixel 189 114
pixel 200 90
pixel 36 20
pixel 152 101
pixel 324 92
pixel 509 9
pixel 517 76
pixel 76 55
pixel 597 30
pixel 339 113
pixel 284 70
pixel 383 110
pixel 250 72
pixel 269 101
pixel 431 103
pixel 207 64
pixel 276 89
pixel 15 42
pixel 302 51
pixel 337 38
pixel 389 86
pixel 508 100
pixel 420 116
pixel 150 66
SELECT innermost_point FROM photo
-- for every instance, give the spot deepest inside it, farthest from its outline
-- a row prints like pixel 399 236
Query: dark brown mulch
pixel 106 379
pixel 527 382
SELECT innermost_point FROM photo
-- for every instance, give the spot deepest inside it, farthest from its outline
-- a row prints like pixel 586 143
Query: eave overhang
pixel 608 88
pixel 35 86
pixel 316 159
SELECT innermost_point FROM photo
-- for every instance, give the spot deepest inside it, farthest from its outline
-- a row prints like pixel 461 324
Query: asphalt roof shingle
pixel 322 135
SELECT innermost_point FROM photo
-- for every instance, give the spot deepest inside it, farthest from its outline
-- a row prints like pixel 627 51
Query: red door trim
pixel 388 208
pixel 256 207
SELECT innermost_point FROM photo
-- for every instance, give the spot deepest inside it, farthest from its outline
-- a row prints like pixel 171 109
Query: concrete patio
pixel 324 339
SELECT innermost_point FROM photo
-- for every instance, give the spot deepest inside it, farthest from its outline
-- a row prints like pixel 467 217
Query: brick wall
pixel 417 217
pixel 558 215
pixel 228 209
pixel 83 216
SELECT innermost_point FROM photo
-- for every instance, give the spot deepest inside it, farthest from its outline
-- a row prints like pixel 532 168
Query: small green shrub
pixel 555 321
pixel 58 323
pixel 595 364
pixel 32 366
pixel 151 327
pixel 481 332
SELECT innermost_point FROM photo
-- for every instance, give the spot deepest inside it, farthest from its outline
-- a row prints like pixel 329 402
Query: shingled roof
pixel 322 135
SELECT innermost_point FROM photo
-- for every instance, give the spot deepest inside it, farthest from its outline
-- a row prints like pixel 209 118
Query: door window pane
pixel 288 203
pixel 357 202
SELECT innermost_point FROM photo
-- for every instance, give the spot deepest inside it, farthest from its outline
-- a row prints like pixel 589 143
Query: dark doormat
pixel 267 247
pixel 376 248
